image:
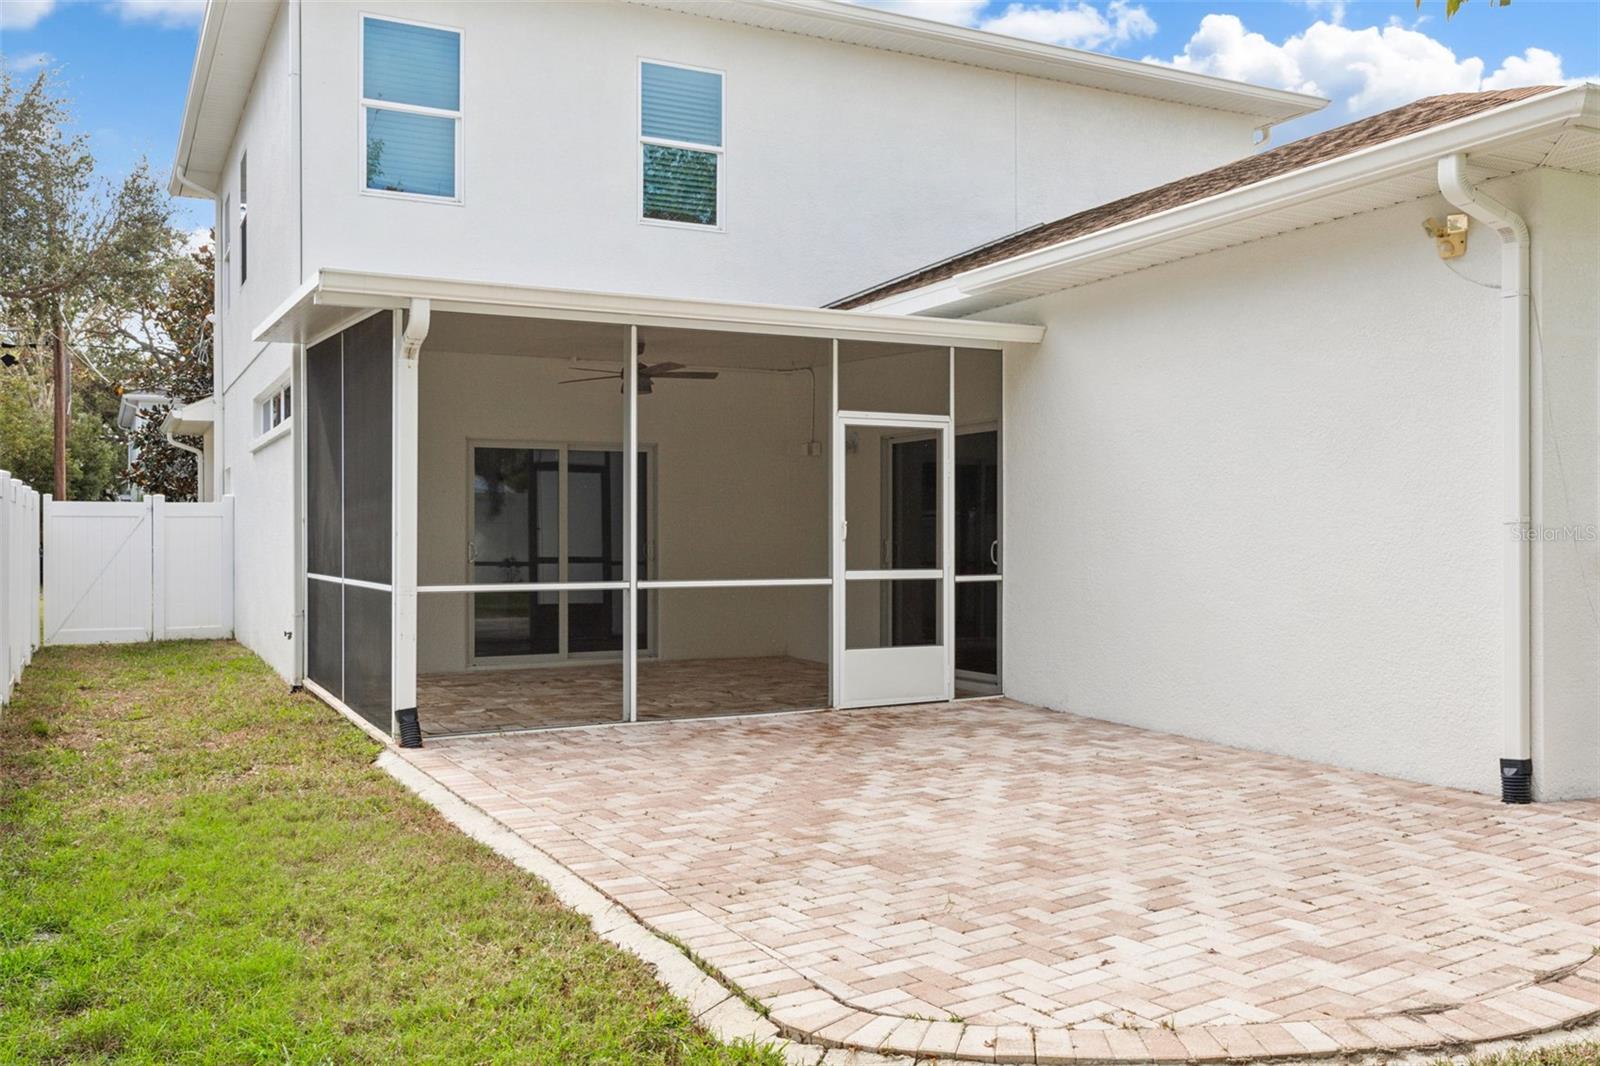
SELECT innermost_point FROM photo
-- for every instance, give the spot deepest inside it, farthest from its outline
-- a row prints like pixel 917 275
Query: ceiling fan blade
pixel 688 375
pixel 598 377
pixel 658 368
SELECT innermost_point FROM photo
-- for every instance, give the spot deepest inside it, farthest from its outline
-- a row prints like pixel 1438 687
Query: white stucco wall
pixel 844 165
pixel 1255 498
pixel 261 481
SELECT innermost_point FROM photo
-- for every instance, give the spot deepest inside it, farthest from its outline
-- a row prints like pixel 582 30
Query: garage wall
pixel 1255 499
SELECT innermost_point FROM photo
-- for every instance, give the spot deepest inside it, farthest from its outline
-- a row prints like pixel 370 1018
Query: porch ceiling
pixel 330 298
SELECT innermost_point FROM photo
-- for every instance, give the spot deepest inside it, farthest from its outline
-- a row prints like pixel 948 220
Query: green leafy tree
pixel 163 345
pixel 95 454
pixel 73 249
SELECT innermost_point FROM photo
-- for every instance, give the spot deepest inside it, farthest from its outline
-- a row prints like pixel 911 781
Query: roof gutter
pixel 1518 422
pixel 1531 117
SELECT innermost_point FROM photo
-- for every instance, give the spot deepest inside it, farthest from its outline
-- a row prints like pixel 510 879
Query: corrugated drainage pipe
pixel 1516 763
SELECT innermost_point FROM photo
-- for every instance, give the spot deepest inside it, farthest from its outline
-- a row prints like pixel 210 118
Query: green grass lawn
pixel 198 867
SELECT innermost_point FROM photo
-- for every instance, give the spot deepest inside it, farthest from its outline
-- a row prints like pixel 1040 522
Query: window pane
pixel 411 153
pixel 680 185
pixel 680 105
pixel 411 64
pixel 516 623
pixel 516 515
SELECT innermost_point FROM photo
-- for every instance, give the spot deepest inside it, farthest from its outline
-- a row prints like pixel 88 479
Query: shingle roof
pixel 1317 148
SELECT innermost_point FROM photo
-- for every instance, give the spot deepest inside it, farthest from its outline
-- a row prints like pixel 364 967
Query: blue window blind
pixel 406 64
pixel 680 185
pixel 680 105
pixel 407 152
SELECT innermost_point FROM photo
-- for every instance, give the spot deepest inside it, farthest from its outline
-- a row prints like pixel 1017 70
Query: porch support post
pixel 947 536
pixel 836 602
pixel 403 657
pixel 630 529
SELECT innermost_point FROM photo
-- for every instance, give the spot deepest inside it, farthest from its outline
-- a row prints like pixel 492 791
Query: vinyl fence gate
pixel 123 572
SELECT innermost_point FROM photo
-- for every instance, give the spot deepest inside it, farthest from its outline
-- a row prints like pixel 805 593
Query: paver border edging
pixel 816 1021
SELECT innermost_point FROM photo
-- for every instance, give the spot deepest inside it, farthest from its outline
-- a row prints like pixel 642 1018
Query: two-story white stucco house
pixel 536 330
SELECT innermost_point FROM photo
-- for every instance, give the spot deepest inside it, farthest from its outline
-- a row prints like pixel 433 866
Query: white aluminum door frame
pixel 884 689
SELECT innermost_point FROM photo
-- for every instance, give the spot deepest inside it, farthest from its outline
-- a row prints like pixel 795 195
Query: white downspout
pixel 1516 763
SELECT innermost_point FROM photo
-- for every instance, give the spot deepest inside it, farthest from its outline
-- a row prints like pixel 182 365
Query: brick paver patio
pixel 994 881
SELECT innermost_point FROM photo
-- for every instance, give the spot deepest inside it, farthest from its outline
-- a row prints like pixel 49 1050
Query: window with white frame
pixel 225 259
pixel 244 220
pixel 680 144
pixel 273 409
pixel 411 108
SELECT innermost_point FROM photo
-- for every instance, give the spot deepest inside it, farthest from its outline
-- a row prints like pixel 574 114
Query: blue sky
pixel 125 63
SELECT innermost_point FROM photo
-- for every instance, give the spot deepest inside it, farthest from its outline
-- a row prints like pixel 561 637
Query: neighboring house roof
pixel 192 419
pixel 890 31
pixel 1318 148
pixel 234 34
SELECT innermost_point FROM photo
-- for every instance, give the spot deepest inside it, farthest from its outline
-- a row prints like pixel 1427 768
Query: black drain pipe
pixel 410 727
pixel 1516 780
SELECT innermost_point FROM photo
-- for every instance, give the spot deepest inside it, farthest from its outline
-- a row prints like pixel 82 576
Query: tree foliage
pixel 79 255
pixel 1452 6
pixel 164 345
pixel 95 453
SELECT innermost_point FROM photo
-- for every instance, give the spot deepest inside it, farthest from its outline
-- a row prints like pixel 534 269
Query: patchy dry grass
pixel 1584 1054
pixel 197 866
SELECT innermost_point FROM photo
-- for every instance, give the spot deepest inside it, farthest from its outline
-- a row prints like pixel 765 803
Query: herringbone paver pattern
pixel 972 877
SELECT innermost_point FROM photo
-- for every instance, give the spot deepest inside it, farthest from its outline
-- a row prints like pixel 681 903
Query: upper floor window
pixel 680 144
pixel 411 108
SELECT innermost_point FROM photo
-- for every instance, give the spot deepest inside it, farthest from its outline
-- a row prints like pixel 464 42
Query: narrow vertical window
pixel 411 107
pixel 680 144
pixel 244 219
pixel 226 249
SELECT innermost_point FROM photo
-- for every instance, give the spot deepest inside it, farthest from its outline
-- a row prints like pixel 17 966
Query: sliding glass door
pixel 551 513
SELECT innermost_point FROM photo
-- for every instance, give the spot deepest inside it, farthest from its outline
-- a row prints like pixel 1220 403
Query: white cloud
pixel 1361 70
pixel 162 12
pixel 1533 67
pixel 23 14
pixel 1073 23
pixel 197 238
pixel 1079 25
pixel 28 62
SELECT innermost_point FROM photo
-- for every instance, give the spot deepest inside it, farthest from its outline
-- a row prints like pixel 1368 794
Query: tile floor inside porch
pixel 497 701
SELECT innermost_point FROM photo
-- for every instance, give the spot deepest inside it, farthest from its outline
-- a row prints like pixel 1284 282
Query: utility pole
pixel 63 383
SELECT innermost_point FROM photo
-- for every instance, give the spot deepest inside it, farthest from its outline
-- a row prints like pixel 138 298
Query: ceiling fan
pixel 649 373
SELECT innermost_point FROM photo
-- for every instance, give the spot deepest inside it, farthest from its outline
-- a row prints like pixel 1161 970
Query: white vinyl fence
pixel 19 580
pixel 153 570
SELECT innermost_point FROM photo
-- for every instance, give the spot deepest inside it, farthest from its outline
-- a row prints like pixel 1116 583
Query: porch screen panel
pixel 368 449
pixel 978 599
pixel 368 653
pixel 322 412
pixel 325 635
pixel 368 516
pixel 348 411
pixel 908 379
